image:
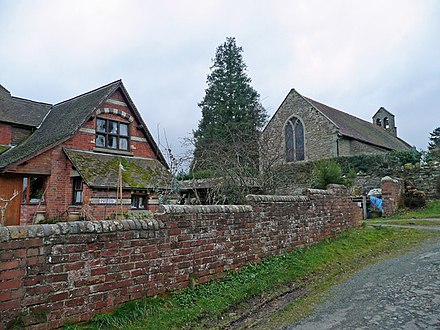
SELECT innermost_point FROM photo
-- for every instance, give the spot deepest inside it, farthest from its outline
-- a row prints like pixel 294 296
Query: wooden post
pixel 119 194
pixel 5 206
pixel 364 206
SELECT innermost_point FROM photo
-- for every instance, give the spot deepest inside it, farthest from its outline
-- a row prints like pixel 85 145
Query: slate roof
pixel 359 129
pixel 20 111
pixel 3 148
pixel 101 170
pixel 63 120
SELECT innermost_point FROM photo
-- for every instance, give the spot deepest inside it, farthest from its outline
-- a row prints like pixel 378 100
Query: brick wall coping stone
pixel 276 199
pixel 204 209
pixel 311 191
pixel 77 227
pixel 389 179
pixel 336 186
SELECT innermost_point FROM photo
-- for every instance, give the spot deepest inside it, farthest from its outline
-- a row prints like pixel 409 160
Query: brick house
pixel 68 158
pixel 304 129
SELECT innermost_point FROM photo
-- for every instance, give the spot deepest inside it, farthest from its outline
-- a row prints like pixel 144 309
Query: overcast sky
pixel 353 55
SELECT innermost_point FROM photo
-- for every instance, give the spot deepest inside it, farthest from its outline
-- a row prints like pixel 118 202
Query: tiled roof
pixel 19 111
pixel 102 170
pixel 63 120
pixel 360 129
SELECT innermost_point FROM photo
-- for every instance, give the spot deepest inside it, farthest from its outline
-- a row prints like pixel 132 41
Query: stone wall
pixel 424 177
pixel 68 272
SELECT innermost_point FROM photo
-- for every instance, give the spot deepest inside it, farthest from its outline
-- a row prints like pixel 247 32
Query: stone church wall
pixel 320 133
pixel 358 148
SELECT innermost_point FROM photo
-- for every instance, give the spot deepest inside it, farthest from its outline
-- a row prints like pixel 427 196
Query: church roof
pixel 63 120
pixel 359 129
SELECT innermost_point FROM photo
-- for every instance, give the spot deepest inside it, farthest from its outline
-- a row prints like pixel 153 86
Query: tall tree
pixel 232 114
pixel 434 144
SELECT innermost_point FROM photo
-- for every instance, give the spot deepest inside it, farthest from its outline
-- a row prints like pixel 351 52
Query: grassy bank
pixel 315 268
pixel 408 222
pixel 432 210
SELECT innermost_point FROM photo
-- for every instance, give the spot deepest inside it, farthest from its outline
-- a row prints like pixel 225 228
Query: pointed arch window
pixel 294 139
pixel 386 123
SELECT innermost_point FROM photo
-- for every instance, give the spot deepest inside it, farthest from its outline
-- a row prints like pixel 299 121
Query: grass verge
pixel 408 222
pixel 432 210
pixel 317 268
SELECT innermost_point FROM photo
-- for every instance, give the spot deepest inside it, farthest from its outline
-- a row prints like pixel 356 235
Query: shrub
pixel 350 177
pixel 406 156
pixel 326 171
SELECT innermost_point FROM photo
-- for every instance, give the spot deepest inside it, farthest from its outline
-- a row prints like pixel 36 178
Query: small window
pixel 77 190
pixel 123 144
pixel 112 134
pixel 378 122
pixel 33 189
pixel 123 129
pixel 112 127
pixel 112 142
pixel 100 125
pixel 386 122
pixel 100 140
pixel 138 201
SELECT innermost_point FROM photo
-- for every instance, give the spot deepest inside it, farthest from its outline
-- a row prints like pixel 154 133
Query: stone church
pixel 304 129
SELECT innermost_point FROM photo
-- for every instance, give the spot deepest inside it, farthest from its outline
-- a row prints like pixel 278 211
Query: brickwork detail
pixel 68 272
pixel 392 194
pixel 5 134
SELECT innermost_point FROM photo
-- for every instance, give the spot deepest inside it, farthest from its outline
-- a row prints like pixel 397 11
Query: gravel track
pixel 401 293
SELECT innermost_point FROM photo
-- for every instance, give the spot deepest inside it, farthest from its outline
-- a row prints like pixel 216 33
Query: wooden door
pixel 9 184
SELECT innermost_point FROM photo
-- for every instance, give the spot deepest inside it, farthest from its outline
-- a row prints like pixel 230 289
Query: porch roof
pixel 102 170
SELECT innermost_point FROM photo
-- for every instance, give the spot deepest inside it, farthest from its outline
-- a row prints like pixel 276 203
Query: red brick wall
pixel 68 272
pixel 40 164
pixel 392 194
pixel 5 134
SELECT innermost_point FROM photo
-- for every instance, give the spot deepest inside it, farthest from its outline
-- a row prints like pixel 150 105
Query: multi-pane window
pixel 111 134
pixel 77 190
pixel 33 189
pixel 138 201
pixel 294 140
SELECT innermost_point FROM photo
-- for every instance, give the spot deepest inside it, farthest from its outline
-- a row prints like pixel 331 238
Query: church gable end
pixel 298 131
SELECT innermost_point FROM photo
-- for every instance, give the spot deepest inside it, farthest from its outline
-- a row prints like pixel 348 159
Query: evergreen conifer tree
pixel 232 115
pixel 434 145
